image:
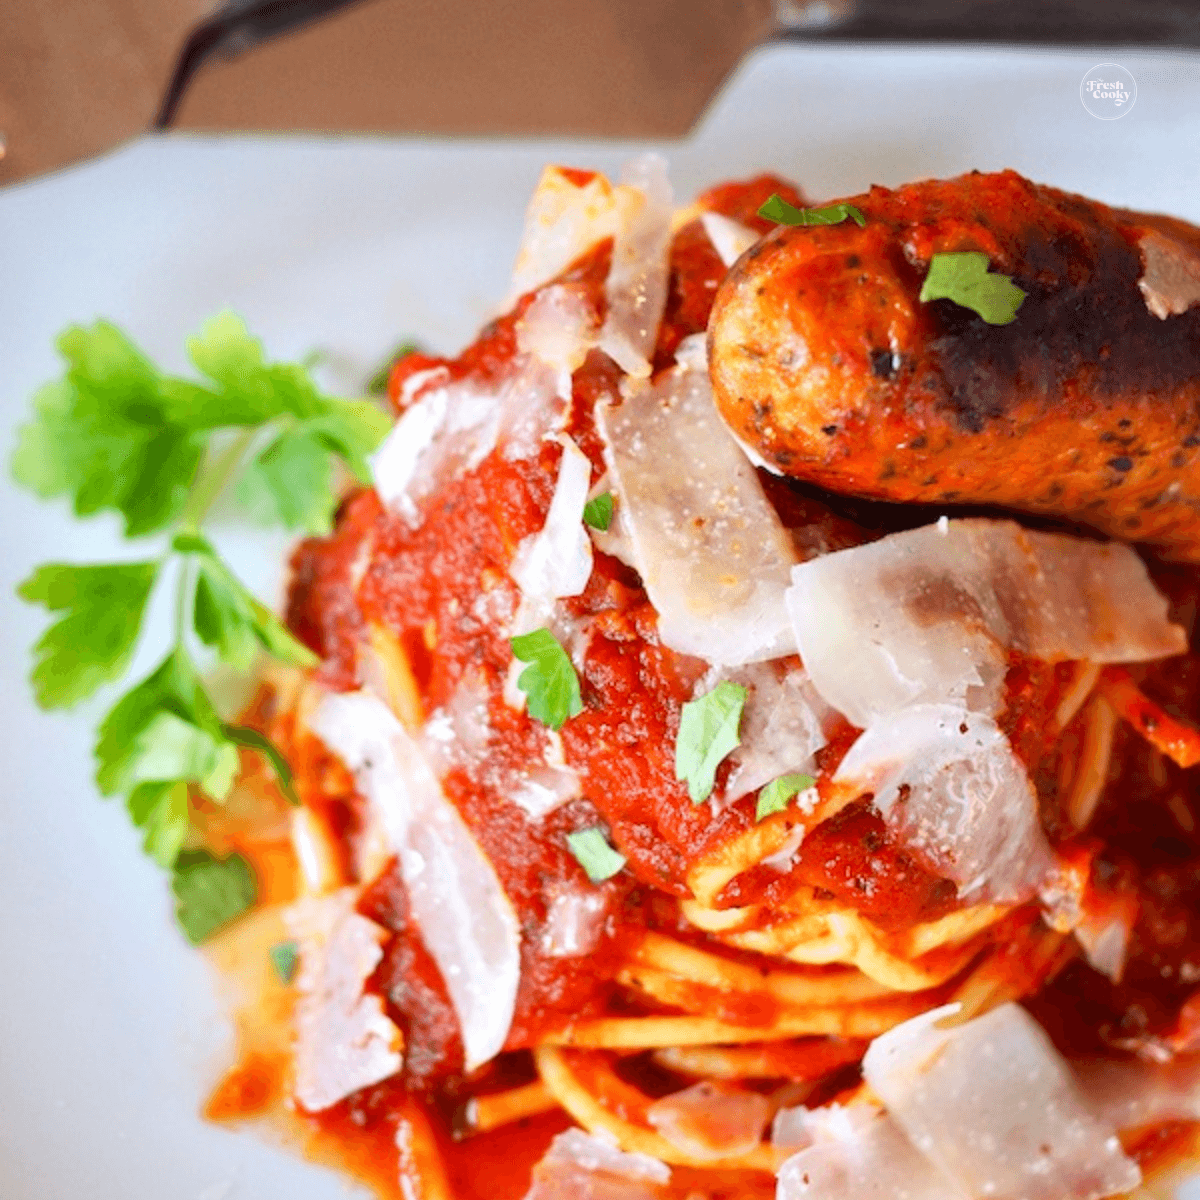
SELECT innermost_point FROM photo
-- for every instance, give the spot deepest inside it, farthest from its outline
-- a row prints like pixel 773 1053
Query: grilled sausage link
pixel 1086 407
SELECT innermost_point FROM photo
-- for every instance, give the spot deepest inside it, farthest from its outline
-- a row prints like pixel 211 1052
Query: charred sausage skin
pixel 1086 407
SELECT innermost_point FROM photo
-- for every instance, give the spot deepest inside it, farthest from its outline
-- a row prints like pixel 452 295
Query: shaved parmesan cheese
pixel 1170 279
pixel 543 788
pixel 465 918
pixel 783 727
pixel 711 550
pixel 731 239
pixel 994 1107
pixel 575 921
pixel 1128 1095
pixel 711 1120
pixel 636 288
pixel 451 429
pixel 459 734
pixel 853 1153
pixel 557 328
pixel 580 1166
pixel 563 221
pixel 344 1040
pixel 926 616
pixel 557 561
pixel 692 352
pixel 1105 939
pixel 949 785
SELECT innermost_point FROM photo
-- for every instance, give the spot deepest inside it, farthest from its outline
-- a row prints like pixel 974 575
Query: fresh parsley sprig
pixel 116 434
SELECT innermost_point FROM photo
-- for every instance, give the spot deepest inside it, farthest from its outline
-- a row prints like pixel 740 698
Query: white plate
pixel 110 1033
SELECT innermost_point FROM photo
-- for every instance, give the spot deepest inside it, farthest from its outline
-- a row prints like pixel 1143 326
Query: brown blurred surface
pixel 80 76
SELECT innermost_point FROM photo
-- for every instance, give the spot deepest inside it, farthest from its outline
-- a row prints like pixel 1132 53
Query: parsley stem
pixel 182 591
pixel 211 479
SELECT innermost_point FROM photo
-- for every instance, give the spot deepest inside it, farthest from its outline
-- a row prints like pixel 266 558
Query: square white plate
pixel 110 1032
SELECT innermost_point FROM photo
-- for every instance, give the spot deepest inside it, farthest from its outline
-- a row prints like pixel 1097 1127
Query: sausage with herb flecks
pixel 1086 406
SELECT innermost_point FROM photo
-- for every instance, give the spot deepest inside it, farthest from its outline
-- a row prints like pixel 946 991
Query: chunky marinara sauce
pixel 443 591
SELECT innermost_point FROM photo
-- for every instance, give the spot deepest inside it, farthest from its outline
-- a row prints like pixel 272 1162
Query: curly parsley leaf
pixel 93 642
pixel 161 810
pixel 290 483
pixel 165 729
pixel 777 209
pixel 964 278
pixel 777 794
pixel 227 616
pixel 708 731
pixel 211 892
pixel 598 512
pixel 550 684
pixel 285 958
pixel 593 853
pixel 105 437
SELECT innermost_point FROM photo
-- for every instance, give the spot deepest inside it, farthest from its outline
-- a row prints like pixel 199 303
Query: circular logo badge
pixel 1108 91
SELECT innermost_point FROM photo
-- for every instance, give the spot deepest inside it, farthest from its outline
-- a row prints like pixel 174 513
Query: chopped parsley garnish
pixel 210 892
pixel 593 853
pixel 550 684
pixel 708 731
pixel 963 277
pixel 285 958
pixel 116 434
pixel 777 794
pixel 777 209
pixel 598 512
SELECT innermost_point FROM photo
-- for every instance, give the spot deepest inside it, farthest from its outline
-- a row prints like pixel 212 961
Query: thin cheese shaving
pixel 557 561
pixel 927 616
pixel 344 1040
pixel 563 221
pixel 711 550
pixel 1170 280
pixel 581 1166
pixel 731 239
pixel 465 918
pixel 994 1107
pixel 636 288
pixel 949 785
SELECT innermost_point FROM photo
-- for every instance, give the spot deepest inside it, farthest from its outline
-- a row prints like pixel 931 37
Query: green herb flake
pixel 211 892
pixel 285 958
pixel 550 683
pixel 593 853
pixel 777 794
pixel 598 512
pixel 964 279
pixel 777 209
pixel 708 731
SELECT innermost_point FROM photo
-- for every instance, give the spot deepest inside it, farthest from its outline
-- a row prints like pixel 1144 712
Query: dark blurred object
pixel 77 77
pixel 1021 22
